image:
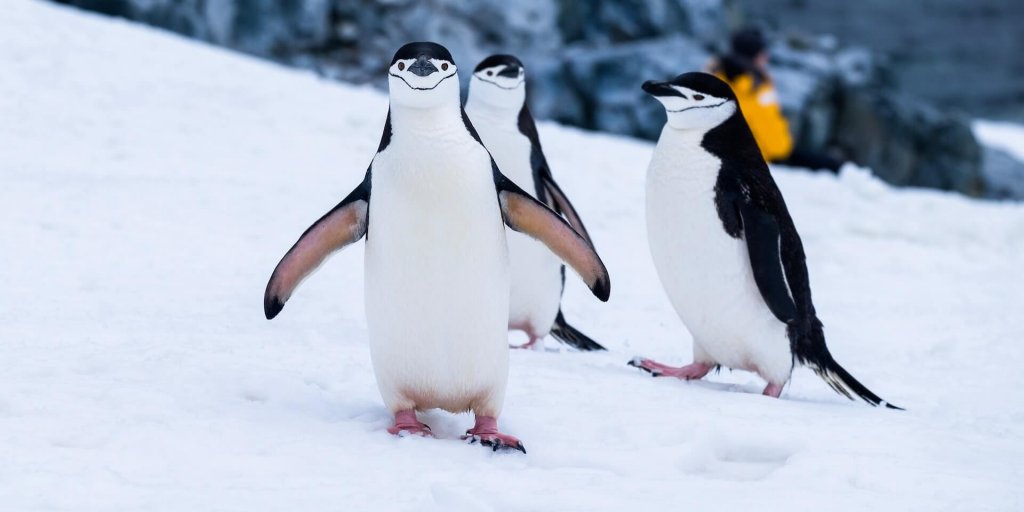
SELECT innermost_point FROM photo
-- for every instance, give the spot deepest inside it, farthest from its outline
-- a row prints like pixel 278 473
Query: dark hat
pixel 748 42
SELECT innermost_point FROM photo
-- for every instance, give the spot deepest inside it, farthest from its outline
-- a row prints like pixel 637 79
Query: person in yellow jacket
pixel 745 69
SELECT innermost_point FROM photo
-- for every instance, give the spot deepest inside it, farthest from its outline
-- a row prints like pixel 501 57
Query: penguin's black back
pixel 745 189
pixel 744 178
pixel 538 162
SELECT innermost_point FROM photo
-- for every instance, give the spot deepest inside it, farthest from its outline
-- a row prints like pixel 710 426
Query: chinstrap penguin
pixel 725 247
pixel 432 205
pixel 497 106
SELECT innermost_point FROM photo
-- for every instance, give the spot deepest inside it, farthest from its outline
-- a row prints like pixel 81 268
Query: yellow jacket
pixel 760 106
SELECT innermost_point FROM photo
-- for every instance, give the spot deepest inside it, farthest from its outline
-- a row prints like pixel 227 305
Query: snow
pixel 1003 135
pixel 150 185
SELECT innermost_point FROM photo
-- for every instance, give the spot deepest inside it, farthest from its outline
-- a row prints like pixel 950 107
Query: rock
pixel 907 142
pixel 122 8
pixel 809 103
pixel 586 61
pixel 810 75
pixel 940 46
pixel 632 20
pixel 606 82
pixel 840 100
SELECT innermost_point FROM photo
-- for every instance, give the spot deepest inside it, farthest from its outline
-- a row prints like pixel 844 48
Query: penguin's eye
pixel 698 97
pixel 444 67
pixel 490 73
pixel 401 66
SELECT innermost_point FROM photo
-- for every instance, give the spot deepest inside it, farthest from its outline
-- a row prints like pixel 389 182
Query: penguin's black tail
pixel 840 380
pixel 811 351
pixel 568 334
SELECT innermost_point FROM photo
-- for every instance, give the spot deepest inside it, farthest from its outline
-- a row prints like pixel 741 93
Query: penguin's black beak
pixel 422 66
pixel 511 71
pixel 656 88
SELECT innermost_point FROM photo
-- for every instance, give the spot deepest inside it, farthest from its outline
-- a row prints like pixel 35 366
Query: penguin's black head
pixel 421 74
pixel 694 100
pixel 499 81
pixel 502 65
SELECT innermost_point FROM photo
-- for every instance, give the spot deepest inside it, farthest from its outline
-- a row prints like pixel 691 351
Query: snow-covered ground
pixel 150 184
pixel 1008 137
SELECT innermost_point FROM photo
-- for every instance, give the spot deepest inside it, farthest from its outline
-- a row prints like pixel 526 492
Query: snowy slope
pixel 1008 137
pixel 150 184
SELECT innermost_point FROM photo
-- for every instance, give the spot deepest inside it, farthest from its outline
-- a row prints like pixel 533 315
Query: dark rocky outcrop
pixel 603 84
pixel 955 53
pixel 587 59
pixel 841 100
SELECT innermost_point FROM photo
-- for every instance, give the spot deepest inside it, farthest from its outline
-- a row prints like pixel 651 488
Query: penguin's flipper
pixel 807 338
pixel 568 334
pixel 523 213
pixel 563 206
pixel 344 224
pixel 761 232
pixel 542 176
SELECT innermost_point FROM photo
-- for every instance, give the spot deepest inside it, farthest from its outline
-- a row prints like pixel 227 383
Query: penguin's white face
pixel 501 86
pixel 423 82
pixel 688 109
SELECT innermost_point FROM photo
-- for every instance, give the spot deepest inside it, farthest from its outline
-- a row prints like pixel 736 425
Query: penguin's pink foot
pixel 486 433
pixel 528 330
pixel 528 345
pixel 772 390
pixel 692 371
pixel 406 424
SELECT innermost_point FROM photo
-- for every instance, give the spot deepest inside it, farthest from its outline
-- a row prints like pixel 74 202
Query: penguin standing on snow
pixel 725 247
pixel 497 107
pixel 432 205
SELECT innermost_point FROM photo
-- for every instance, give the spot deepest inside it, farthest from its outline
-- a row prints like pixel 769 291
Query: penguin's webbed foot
pixel 772 390
pixel 406 424
pixel 528 345
pixel 692 371
pixel 486 433
pixel 498 442
pixel 530 332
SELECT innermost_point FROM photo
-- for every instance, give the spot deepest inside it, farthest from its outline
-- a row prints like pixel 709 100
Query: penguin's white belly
pixel 536 286
pixel 707 274
pixel 437 282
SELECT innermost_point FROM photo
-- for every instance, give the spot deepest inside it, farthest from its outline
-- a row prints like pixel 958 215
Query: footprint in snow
pixel 735 459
